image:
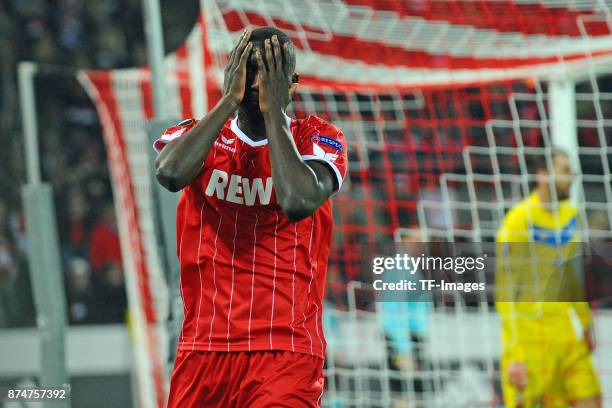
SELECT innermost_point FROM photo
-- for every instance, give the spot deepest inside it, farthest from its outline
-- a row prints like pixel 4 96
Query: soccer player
pixel 254 226
pixel 546 342
pixel 404 317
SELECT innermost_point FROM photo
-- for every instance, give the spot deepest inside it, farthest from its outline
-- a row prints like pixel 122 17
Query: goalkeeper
pixel 546 329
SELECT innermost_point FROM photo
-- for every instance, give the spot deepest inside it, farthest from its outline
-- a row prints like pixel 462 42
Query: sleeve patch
pixel 333 143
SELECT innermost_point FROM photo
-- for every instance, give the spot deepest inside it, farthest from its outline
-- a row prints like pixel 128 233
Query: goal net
pixel 441 102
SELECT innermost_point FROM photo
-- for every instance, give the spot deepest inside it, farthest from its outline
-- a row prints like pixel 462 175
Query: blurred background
pixel 71 34
pixel 440 101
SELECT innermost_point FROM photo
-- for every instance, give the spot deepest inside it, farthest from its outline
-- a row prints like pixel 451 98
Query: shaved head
pixel 259 35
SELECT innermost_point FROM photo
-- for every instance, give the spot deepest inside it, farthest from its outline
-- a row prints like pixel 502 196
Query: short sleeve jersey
pixel 250 278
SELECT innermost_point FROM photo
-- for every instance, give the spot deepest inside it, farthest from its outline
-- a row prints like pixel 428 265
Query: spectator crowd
pixel 62 36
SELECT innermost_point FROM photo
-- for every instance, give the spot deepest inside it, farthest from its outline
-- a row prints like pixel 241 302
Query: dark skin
pixel 301 187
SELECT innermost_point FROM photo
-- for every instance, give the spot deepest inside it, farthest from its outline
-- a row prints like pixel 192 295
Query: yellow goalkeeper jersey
pixel 536 257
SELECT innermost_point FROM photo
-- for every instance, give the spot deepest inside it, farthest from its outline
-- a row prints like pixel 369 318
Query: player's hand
pixel 274 75
pixel 517 375
pixel 234 79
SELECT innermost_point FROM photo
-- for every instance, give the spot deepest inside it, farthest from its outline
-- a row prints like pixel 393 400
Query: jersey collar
pixel 242 136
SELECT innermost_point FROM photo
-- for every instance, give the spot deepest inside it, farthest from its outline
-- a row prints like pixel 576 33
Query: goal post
pixel 44 257
pixel 132 189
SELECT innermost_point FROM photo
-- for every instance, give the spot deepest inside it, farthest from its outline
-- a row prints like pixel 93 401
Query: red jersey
pixel 250 278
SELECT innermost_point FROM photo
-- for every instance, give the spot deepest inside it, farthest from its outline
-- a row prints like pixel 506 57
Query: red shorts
pixel 246 379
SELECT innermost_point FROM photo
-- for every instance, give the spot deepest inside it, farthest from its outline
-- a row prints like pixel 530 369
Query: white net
pixel 474 201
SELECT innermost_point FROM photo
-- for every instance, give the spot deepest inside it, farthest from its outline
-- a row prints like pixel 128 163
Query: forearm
pixel 181 160
pixel 298 190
